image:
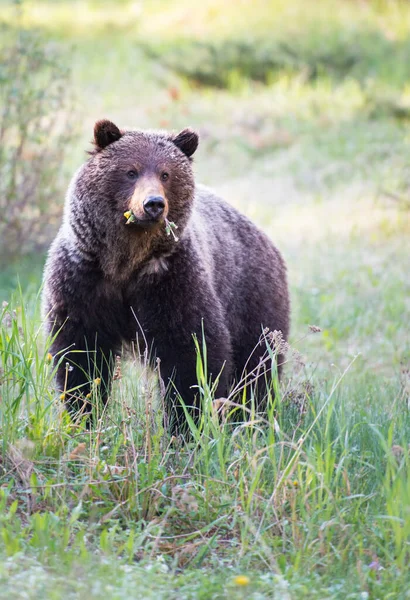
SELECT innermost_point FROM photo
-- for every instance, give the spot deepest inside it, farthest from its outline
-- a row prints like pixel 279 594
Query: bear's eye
pixel 132 174
pixel 164 176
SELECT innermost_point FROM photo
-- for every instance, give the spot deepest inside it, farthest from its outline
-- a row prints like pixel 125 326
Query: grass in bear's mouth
pixel 131 218
pixel 170 226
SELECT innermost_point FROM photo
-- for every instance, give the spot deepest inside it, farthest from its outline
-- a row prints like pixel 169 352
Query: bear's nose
pixel 154 206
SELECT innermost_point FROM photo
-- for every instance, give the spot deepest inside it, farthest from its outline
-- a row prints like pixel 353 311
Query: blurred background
pixel 303 110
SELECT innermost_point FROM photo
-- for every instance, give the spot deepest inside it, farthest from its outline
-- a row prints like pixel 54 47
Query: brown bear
pixel 182 261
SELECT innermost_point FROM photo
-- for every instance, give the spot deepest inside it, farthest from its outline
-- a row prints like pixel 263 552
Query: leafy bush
pixel 215 64
pixel 334 53
pixel 34 104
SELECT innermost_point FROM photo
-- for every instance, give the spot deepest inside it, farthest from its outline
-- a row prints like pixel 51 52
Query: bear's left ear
pixel 105 133
pixel 187 141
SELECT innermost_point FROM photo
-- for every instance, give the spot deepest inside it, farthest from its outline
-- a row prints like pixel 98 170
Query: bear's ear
pixel 187 141
pixel 105 133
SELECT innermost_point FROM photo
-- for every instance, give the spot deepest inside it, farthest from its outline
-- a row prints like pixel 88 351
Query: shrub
pixel 34 104
pixel 217 63
pixel 311 52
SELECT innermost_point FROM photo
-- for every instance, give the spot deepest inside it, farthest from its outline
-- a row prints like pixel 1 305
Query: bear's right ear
pixel 105 133
pixel 187 141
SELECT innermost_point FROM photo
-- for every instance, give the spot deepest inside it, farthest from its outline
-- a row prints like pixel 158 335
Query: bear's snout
pixel 154 206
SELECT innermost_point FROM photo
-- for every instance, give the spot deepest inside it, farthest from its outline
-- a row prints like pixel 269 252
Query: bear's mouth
pixel 149 222
pixel 145 222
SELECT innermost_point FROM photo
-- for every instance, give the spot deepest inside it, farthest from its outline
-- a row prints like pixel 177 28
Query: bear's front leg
pixel 85 319
pixel 178 368
pixel 86 360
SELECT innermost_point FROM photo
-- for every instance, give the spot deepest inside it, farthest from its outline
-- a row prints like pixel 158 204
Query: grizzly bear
pixel 179 263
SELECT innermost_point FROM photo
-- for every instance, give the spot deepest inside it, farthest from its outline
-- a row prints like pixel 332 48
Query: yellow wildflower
pixel 241 580
pixel 296 483
pixel 49 357
pixel 62 396
pixel 97 381
pixel 88 395
pixel 127 214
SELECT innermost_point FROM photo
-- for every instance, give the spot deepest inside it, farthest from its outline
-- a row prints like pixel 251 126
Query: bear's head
pixel 146 175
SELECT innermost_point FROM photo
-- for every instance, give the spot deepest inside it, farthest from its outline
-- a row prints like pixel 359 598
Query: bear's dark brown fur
pixel 105 281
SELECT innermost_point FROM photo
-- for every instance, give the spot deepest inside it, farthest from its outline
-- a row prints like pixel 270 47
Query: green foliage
pixel 312 53
pixel 223 63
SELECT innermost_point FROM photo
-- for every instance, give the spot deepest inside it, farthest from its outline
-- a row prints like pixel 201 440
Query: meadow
pixel 304 122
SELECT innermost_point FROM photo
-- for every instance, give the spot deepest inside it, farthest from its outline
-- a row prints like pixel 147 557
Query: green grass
pixel 319 487
pixel 311 502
